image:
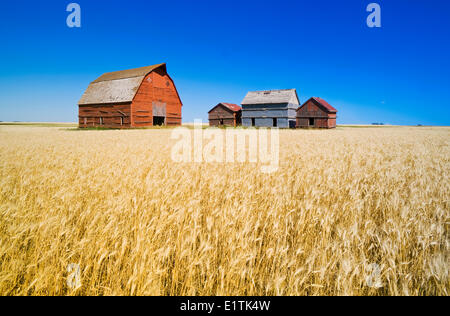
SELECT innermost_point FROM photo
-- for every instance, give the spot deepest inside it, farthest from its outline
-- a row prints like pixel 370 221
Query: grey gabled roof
pixel 116 87
pixel 271 97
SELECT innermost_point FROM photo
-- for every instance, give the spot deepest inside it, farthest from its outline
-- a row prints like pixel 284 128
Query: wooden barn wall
pixel 265 113
pixel 271 107
pixel 302 122
pixel 322 119
pixel 332 123
pixel 111 115
pixel 156 96
pixel 282 122
pixel 321 123
pixel 226 122
pixel 219 113
pixel 311 109
pixel 318 122
pixel 141 108
pixel 269 110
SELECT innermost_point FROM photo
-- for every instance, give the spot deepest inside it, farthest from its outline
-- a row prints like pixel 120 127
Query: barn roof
pixel 271 97
pixel 324 104
pixel 116 87
pixel 232 107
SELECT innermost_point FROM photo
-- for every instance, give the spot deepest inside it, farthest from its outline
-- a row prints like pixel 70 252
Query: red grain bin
pixel 138 97
pixel 316 113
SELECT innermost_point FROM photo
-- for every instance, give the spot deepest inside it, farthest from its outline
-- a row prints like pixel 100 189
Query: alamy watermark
pixel 74 18
pixel 74 277
pixel 374 18
pixel 373 276
pixel 229 145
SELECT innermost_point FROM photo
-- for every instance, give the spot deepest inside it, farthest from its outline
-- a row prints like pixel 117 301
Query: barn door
pixel 159 113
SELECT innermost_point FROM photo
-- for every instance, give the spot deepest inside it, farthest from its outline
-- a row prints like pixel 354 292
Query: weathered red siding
pixel 157 89
pixel 222 116
pixel 312 110
pixel 156 96
pixel 114 115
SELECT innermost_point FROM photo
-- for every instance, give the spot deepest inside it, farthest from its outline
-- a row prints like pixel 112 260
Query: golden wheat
pixel 136 223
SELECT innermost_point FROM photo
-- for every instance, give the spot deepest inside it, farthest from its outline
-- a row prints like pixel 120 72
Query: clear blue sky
pixel 216 51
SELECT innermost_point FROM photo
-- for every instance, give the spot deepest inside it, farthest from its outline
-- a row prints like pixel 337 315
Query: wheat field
pixel 343 204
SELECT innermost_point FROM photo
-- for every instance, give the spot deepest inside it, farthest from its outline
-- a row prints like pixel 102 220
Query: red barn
pixel 138 97
pixel 316 113
pixel 225 114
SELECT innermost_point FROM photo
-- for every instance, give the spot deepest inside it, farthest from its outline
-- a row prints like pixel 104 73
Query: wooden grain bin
pixel 225 114
pixel 316 113
pixel 138 97
pixel 274 108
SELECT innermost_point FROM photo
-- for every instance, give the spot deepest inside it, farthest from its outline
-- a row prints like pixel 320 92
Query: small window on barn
pixel 101 121
pixel 167 83
pixel 275 122
pixel 121 120
pixel 221 122
pixel 311 122
pixel 253 122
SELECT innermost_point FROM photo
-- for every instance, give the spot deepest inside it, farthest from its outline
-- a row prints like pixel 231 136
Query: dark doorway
pixel 275 122
pixel 253 122
pixel 221 122
pixel 158 120
pixel 311 122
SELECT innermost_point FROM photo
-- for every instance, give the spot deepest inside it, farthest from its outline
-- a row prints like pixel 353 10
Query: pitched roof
pixel 271 97
pixel 129 73
pixel 116 87
pixel 232 107
pixel 324 104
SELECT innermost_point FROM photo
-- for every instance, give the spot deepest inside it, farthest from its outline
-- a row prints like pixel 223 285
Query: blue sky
pixel 216 51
